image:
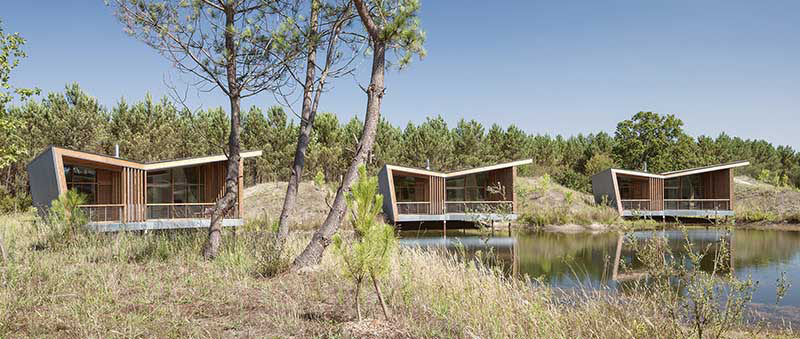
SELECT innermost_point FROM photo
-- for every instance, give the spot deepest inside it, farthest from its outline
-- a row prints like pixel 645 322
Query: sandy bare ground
pixel 753 194
pixel 267 200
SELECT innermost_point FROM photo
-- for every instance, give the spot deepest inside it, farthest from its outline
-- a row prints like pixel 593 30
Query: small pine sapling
pixel 367 254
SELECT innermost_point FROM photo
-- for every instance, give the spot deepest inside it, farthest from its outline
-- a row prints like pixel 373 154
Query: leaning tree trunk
pixel 306 125
pixel 386 312
pixel 323 236
pixel 358 302
pixel 224 204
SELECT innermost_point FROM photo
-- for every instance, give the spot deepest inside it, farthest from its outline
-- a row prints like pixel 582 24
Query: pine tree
pixel 367 254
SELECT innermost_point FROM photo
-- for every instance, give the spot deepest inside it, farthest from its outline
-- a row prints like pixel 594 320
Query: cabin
pixel 413 195
pixel 703 192
pixel 128 195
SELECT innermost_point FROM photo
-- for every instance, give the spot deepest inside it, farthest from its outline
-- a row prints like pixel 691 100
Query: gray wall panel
pixel 386 191
pixel 603 186
pixel 43 179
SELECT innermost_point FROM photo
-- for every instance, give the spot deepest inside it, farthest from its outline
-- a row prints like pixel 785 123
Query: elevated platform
pixel 469 217
pixel 159 224
pixel 679 213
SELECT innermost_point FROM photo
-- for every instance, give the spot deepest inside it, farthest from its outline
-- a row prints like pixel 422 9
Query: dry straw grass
pixel 157 285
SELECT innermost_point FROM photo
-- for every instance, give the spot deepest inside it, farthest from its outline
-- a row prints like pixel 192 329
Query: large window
pixel 690 187
pixel 476 187
pixel 672 188
pixel 174 186
pixel 455 189
pixel 178 185
pixel 187 185
pixel 468 188
pixel 405 189
pixel 83 180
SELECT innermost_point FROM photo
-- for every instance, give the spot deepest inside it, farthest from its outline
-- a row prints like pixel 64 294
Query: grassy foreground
pixel 157 285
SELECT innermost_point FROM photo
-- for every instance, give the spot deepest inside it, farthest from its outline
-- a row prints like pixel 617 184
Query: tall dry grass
pixel 157 285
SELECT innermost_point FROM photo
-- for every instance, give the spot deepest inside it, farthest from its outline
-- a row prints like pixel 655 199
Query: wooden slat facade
pixel 655 192
pixel 214 181
pixel 437 195
pixel 134 189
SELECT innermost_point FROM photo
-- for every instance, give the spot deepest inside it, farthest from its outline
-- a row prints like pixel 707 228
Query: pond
pixel 588 260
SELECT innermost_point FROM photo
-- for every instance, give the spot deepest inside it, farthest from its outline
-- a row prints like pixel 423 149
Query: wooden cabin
pixel 703 192
pixel 129 195
pixel 413 195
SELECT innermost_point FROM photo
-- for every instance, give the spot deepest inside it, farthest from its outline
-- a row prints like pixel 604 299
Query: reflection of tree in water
pixel 703 241
pixel 557 257
pixel 754 248
pixel 749 248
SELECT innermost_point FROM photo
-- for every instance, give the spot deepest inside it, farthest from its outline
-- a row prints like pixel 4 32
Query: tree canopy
pixel 74 119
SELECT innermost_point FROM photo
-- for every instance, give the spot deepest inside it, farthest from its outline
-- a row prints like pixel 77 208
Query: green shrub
pixel 540 217
pixel 368 252
pixel 261 236
pixel 65 223
pixel 756 215
pixel 699 304
pixel 319 179
pixel 574 180
pixel 14 203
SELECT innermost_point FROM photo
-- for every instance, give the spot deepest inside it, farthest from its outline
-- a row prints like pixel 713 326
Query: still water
pixel 586 260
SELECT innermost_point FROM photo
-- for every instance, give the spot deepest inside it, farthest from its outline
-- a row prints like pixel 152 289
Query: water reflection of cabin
pixel 696 192
pixel 124 194
pixel 413 195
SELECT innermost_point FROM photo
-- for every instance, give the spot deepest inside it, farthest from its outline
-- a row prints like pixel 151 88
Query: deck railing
pixel 186 211
pixel 414 207
pixel 478 206
pixel 697 204
pixel 636 204
pixel 102 212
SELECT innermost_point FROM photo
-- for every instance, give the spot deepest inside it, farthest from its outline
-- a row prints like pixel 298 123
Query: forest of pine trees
pixel 159 129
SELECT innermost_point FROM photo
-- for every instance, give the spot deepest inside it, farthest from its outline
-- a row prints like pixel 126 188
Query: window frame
pixel 71 184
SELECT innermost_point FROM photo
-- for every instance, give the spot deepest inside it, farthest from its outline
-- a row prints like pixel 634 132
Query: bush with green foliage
pixel 700 304
pixel 571 179
pixel 367 253
pixel 65 223
pixel 261 235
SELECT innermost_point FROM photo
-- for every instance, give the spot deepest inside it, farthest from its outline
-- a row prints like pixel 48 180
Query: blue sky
pixel 555 67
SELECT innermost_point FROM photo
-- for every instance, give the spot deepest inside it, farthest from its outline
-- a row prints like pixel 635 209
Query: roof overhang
pixel 720 167
pixel 419 171
pixel 681 173
pixel 114 161
pixel 196 161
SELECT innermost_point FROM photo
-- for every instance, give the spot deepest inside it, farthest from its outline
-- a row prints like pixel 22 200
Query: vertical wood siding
pixel 513 189
pixel 437 194
pixel 730 187
pixel 134 194
pixel 656 194
pixel 213 181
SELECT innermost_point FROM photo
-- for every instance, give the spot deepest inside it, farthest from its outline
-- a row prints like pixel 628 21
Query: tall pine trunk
pixel 306 125
pixel 224 204
pixel 312 254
